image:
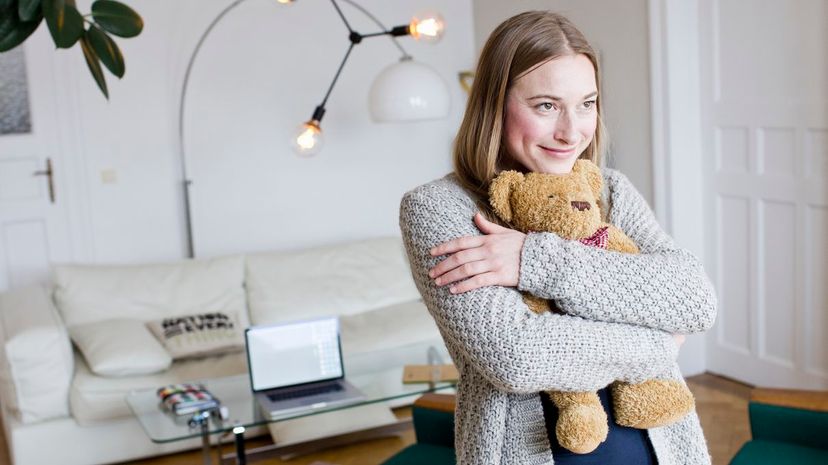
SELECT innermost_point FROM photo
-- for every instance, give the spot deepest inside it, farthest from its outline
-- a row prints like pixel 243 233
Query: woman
pixel 534 106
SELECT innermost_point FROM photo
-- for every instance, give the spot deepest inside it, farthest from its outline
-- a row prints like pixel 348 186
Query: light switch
pixel 109 176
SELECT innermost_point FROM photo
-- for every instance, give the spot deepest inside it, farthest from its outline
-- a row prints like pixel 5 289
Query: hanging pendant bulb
pixel 308 140
pixel 284 2
pixel 427 26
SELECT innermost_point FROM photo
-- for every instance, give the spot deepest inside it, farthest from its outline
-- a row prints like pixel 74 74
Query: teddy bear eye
pixel 551 196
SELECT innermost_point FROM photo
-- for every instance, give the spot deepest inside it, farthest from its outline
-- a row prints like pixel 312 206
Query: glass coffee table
pixel 377 374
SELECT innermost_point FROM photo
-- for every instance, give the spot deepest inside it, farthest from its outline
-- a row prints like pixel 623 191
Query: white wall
pixel 618 30
pixel 237 85
pixel 244 84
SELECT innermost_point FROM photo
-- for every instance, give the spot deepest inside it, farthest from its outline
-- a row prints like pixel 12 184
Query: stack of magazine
pixel 185 398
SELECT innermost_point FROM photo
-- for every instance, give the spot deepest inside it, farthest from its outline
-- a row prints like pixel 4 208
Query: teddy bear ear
pixel 500 190
pixel 591 173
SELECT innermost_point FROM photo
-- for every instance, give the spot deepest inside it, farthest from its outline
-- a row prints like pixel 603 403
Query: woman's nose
pixel 565 131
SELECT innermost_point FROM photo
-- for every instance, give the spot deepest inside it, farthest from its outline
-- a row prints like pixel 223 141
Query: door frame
pixel 678 161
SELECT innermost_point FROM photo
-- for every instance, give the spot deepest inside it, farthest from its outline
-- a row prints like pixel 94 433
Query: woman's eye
pixel 589 104
pixel 546 106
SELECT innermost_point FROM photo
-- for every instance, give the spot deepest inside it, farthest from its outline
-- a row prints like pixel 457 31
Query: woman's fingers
pixel 464 271
pixel 454 245
pixel 477 261
pixel 456 260
pixel 481 280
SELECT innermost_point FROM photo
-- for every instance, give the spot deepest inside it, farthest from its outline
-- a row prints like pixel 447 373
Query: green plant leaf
pixel 94 65
pixel 64 21
pixel 117 18
pixel 28 9
pixel 107 50
pixel 13 31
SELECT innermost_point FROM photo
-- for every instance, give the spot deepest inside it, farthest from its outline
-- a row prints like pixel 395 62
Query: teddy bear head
pixel 565 204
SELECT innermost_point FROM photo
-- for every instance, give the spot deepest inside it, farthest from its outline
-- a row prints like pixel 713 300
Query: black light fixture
pixel 428 27
pixel 308 140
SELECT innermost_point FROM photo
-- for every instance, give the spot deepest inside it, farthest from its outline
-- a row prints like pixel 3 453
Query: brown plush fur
pixel 569 206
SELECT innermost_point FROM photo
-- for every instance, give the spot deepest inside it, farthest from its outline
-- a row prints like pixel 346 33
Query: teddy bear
pixel 569 205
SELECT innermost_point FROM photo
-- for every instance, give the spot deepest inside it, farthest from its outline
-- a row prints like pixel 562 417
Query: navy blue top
pixel 624 445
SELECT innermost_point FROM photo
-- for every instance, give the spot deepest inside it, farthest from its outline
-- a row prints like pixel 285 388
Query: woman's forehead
pixel 568 76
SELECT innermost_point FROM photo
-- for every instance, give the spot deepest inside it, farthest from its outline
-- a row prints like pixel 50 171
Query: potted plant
pixel 20 18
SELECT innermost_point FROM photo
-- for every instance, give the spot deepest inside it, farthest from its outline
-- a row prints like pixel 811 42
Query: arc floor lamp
pixel 404 91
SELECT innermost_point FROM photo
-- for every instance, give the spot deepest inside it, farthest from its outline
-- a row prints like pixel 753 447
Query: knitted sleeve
pixel 665 287
pixel 494 331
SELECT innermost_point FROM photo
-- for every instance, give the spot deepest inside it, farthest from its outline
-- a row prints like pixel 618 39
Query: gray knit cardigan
pixel 621 309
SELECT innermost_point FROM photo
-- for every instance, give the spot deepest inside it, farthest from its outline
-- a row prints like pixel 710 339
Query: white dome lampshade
pixel 408 91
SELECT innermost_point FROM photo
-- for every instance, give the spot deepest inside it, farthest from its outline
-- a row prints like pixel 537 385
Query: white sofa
pixel 56 410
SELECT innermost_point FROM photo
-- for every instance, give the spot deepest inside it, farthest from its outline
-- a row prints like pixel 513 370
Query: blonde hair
pixel 516 46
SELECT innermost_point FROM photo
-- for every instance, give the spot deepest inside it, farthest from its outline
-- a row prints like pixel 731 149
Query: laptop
pixel 296 367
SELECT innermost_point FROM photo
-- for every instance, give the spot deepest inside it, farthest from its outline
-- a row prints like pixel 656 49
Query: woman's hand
pixel 679 339
pixel 489 260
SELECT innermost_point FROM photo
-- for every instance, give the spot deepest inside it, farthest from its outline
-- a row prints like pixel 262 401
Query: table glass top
pixel 377 374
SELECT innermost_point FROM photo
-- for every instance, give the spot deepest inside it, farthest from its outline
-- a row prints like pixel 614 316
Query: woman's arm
pixel 665 287
pixel 515 349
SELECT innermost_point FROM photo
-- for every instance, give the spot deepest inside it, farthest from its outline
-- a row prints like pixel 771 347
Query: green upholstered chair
pixel 433 416
pixel 788 427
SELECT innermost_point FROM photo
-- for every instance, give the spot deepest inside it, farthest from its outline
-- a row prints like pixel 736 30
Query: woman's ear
pixel 592 174
pixel 501 190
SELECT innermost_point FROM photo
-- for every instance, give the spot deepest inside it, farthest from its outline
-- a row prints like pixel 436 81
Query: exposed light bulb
pixel 428 26
pixel 308 139
pixel 285 2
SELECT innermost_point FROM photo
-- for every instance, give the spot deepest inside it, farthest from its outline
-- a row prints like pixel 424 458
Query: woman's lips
pixel 558 153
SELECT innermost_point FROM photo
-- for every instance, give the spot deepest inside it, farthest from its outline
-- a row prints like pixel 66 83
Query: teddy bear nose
pixel 581 206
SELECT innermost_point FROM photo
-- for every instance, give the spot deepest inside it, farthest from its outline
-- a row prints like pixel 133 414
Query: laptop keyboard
pixel 305 392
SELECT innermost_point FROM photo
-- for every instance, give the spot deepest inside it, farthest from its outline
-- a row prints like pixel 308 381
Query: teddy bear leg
pixel 653 403
pixel 582 422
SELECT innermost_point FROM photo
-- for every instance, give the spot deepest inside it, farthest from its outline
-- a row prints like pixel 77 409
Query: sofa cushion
pixel 90 293
pixel 121 347
pixel 199 335
pixel 94 398
pixel 339 279
pixel 387 328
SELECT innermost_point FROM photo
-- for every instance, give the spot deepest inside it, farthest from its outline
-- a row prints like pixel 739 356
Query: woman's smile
pixel 558 153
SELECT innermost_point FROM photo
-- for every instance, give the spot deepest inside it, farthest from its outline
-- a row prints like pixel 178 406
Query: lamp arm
pixel 338 71
pixel 342 16
pixel 181 104
pixel 373 18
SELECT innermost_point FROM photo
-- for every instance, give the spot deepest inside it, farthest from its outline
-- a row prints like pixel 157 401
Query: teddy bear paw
pixel 581 428
pixel 651 404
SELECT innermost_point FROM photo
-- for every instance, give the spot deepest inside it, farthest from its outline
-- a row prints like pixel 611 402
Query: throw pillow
pixel 120 347
pixel 199 335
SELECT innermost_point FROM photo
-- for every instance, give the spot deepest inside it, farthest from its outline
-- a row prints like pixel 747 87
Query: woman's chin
pixel 556 167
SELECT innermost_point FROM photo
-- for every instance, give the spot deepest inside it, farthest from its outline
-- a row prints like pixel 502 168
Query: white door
pixel 33 225
pixel 764 69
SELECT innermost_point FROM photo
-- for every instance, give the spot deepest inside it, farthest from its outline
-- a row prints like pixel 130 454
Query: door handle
pixel 48 173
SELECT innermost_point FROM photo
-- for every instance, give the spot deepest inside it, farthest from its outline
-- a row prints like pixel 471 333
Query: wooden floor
pixel 721 404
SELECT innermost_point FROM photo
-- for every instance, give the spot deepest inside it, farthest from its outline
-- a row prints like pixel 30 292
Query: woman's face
pixel 551 115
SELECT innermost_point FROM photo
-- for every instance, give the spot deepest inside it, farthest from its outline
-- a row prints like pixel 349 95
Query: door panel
pixel 33 228
pixel 765 125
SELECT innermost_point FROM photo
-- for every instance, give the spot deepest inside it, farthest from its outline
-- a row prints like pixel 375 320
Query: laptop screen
pixel 293 353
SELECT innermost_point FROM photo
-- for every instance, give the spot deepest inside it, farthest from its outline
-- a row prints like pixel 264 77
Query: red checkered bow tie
pixel 599 239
